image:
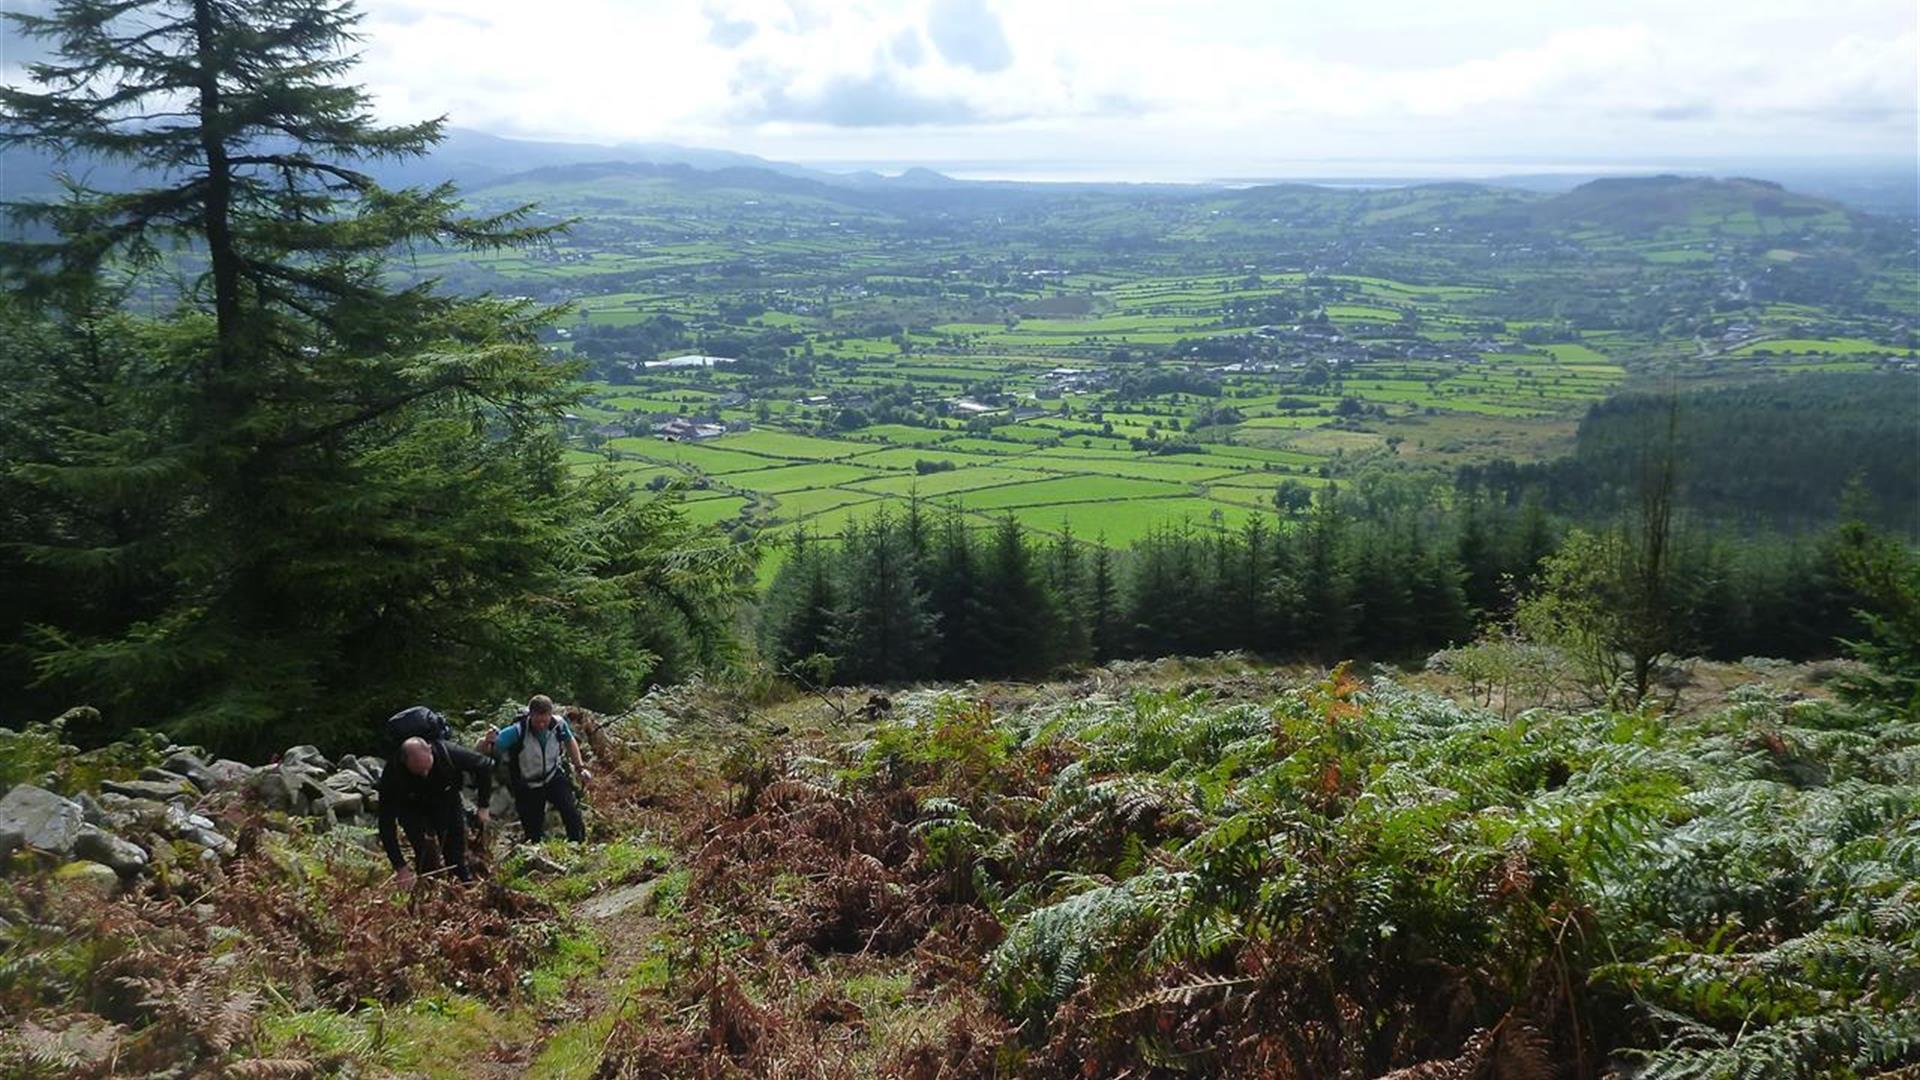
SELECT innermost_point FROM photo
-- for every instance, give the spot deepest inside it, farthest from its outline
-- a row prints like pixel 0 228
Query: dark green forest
pixel 920 595
pixel 1782 454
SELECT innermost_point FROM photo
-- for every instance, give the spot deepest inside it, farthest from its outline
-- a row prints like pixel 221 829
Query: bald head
pixel 418 755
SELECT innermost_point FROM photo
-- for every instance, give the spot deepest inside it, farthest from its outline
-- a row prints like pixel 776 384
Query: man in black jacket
pixel 420 793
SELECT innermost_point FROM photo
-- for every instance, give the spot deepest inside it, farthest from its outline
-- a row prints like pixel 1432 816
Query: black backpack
pixel 418 722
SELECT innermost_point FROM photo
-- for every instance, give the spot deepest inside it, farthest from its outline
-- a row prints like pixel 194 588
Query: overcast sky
pixel 1204 87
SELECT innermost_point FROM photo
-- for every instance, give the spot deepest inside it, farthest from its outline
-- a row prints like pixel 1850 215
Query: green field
pixel 1464 324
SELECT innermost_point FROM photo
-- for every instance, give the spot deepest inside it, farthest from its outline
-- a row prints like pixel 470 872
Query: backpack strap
pixel 516 778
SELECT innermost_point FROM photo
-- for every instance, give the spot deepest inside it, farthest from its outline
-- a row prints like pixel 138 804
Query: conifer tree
pixel 885 630
pixel 957 593
pixel 1103 604
pixel 328 494
pixel 1321 582
pixel 1066 580
pixel 798 613
pixel 1020 607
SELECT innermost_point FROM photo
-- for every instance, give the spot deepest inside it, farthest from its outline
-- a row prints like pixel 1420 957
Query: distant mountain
pixel 477 161
pixel 681 175
pixel 465 157
pixel 469 158
pixel 1635 204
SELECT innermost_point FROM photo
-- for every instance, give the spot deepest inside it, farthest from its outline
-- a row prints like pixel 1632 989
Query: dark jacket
pixel 433 798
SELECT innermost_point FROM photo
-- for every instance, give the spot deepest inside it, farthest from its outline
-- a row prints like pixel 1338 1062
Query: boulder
pixel 87 882
pixel 192 767
pixel 214 842
pixel 295 788
pixel 229 775
pixel 44 820
pixel 157 790
pixel 95 814
pixel 306 755
pixel 351 782
pixel 271 784
pixel 11 840
pixel 99 845
pixel 340 806
pixel 122 810
pixel 179 821
pixel 308 789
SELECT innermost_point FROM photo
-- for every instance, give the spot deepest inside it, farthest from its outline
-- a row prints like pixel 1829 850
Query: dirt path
pixel 616 918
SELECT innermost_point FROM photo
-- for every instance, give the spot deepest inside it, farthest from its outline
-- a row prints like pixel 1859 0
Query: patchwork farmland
pixel 1110 362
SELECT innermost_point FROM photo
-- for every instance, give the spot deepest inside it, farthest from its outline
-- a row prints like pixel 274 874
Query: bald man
pixel 420 793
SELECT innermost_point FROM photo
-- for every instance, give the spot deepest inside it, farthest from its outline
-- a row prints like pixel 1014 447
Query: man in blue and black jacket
pixel 537 750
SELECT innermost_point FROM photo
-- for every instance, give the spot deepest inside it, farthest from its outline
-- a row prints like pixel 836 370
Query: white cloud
pixel 1225 80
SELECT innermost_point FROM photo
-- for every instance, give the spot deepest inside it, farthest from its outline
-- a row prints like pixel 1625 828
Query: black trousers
pixel 532 803
pixel 440 829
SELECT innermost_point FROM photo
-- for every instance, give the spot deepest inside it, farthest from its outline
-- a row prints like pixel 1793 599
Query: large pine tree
pixel 311 495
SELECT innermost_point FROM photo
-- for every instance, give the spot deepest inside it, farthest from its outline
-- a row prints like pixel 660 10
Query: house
pixel 690 360
pixel 969 407
pixel 685 430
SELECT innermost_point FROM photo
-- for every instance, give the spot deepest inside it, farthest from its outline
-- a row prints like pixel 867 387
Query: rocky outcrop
pixel 128 826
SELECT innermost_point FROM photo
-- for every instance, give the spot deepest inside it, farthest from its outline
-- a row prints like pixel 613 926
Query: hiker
pixel 536 749
pixel 420 793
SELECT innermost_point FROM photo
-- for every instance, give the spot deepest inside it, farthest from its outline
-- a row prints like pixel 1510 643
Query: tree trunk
pixel 218 212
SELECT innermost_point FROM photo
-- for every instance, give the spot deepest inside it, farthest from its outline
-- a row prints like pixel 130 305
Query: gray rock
pixel 294 788
pixel 308 790
pixel 44 820
pixel 89 881
pixel 192 767
pixel 11 840
pixel 306 755
pixel 158 790
pixel 271 784
pixel 340 806
pixel 618 901
pixel 94 814
pixel 211 840
pixel 99 845
pixel 351 782
pixel 229 775
pixel 123 809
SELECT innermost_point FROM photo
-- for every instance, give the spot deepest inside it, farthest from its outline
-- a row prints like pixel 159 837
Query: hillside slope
pixel 1156 870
